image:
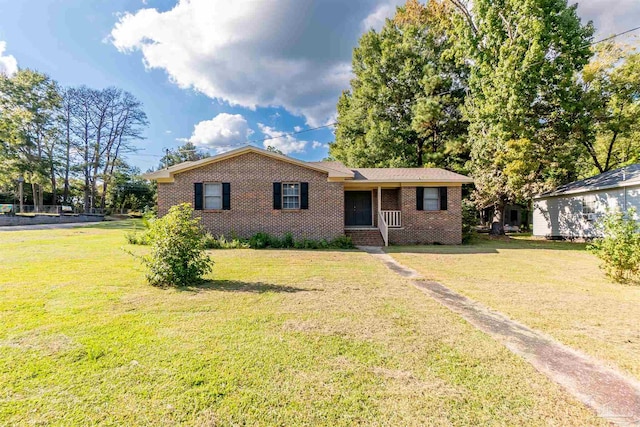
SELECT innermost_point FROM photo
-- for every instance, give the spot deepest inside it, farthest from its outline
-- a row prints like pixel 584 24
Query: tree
pixel 29 113
pixel 102 126
pixel 128 190
pixel 609 130
pixel 524 56
pixel 187 152
pixel 403 105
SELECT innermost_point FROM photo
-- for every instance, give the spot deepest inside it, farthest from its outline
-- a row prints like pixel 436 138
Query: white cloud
pixel 222 133
pixel 297 128
pixel 317 144
pixel 283 142
pixel 8 63
pixel 282 53
pixel 610 17
pixel 377 18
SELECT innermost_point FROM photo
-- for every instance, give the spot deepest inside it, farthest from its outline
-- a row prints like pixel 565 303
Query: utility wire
pixel 335 123
pixel 613 36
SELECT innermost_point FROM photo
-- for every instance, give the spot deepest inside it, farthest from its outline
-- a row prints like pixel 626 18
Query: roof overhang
pixel 624 184
pixel 167 175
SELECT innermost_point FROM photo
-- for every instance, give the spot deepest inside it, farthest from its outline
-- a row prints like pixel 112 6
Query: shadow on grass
pixel 246 287
pixel 485 244
pixel 123 224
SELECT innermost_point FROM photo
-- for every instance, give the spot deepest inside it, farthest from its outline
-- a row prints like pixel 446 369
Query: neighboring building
pixel 251 190
pixel 514 217
pixel 572 210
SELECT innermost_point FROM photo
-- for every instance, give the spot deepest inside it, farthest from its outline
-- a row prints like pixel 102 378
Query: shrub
pixel 257 241
pixel 469 221
pixel 135 238
pixel 177 255
pixel 221 242
pixel 619 248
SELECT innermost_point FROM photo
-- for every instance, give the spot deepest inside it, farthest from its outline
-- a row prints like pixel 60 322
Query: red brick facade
pixel 251 177
pixel 443 227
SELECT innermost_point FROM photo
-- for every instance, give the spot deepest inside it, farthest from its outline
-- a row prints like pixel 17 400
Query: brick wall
pixel 443 227
pixel 390 199
pixel 251 176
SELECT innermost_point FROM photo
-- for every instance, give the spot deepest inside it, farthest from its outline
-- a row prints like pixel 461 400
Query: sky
pixel 218 73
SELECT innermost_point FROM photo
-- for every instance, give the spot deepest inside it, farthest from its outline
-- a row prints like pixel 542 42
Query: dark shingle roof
pixel 629 175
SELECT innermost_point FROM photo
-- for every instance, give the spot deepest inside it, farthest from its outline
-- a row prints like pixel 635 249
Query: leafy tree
pixel 29 113
pixel 524 56
pixel 610 93
pixel 177 256
pixel 129 191
pixel 403 105
pixel 184 153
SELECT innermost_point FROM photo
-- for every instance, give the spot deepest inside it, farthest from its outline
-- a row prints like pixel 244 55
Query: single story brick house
pixel 251 190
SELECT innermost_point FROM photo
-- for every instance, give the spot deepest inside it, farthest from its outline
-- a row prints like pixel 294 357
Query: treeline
pixel 515 93
pixel 68 144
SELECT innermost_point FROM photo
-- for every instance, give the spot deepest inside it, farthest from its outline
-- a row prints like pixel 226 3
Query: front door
pixel 357 208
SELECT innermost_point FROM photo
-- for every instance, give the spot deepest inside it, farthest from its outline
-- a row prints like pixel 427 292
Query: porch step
pixel 366 237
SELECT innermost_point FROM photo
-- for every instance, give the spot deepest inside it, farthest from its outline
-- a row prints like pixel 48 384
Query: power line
pixel 614 36
pixel 292 133
pixel 253 141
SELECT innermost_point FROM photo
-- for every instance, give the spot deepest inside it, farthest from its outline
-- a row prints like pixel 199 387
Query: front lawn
pixel 556 287
pixel 276 337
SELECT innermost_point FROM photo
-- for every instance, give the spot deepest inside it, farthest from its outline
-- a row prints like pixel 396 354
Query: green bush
pixel 221 242
pixel 619 248
pixel 257 241
pixel 469 221
pixel 138 238
pixel 177 256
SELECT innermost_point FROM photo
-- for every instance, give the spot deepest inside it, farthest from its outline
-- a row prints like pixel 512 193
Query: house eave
pixel 167 175
pixel 587 190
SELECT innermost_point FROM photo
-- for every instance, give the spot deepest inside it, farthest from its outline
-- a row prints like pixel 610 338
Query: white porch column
pixel 379 200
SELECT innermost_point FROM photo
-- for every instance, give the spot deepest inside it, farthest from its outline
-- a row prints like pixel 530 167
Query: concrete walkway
pixel 611 394
pixel 46 226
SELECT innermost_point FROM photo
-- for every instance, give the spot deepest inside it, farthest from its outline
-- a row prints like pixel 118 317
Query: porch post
pixel 379 200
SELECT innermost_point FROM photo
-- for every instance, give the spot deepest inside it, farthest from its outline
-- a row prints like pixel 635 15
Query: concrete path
pixel 614 396
pixel 46 226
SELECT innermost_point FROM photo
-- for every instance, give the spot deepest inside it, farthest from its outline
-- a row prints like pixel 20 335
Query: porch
pixel 372 212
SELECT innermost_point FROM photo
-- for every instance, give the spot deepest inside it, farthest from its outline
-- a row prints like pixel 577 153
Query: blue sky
pixel 216 72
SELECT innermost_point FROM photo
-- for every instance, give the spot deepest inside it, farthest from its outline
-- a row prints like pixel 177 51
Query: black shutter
pixel 304 195
pixel 420 198
pixel 198 198
pixel 443 198
pixel 277 195
pixel 226 196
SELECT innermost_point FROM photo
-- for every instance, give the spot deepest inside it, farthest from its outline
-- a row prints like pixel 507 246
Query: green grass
pixel 556 287
pixel 275 337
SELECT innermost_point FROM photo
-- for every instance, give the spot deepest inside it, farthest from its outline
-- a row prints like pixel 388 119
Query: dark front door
pixel 357 208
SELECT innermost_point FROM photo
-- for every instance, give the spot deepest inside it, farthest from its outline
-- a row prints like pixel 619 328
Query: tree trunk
pixel 67 165
pixel 497 224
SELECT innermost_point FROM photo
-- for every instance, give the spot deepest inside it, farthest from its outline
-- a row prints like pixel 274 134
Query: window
pixel 290 195
pixel 431 199
pixel 588 205
pixel 213 196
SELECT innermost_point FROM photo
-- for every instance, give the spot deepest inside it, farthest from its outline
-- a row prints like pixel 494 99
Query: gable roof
pixel 334 170
pixel 623 177
pixel 166 175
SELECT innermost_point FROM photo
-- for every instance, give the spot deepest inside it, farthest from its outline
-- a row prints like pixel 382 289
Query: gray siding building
pixel 572 210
